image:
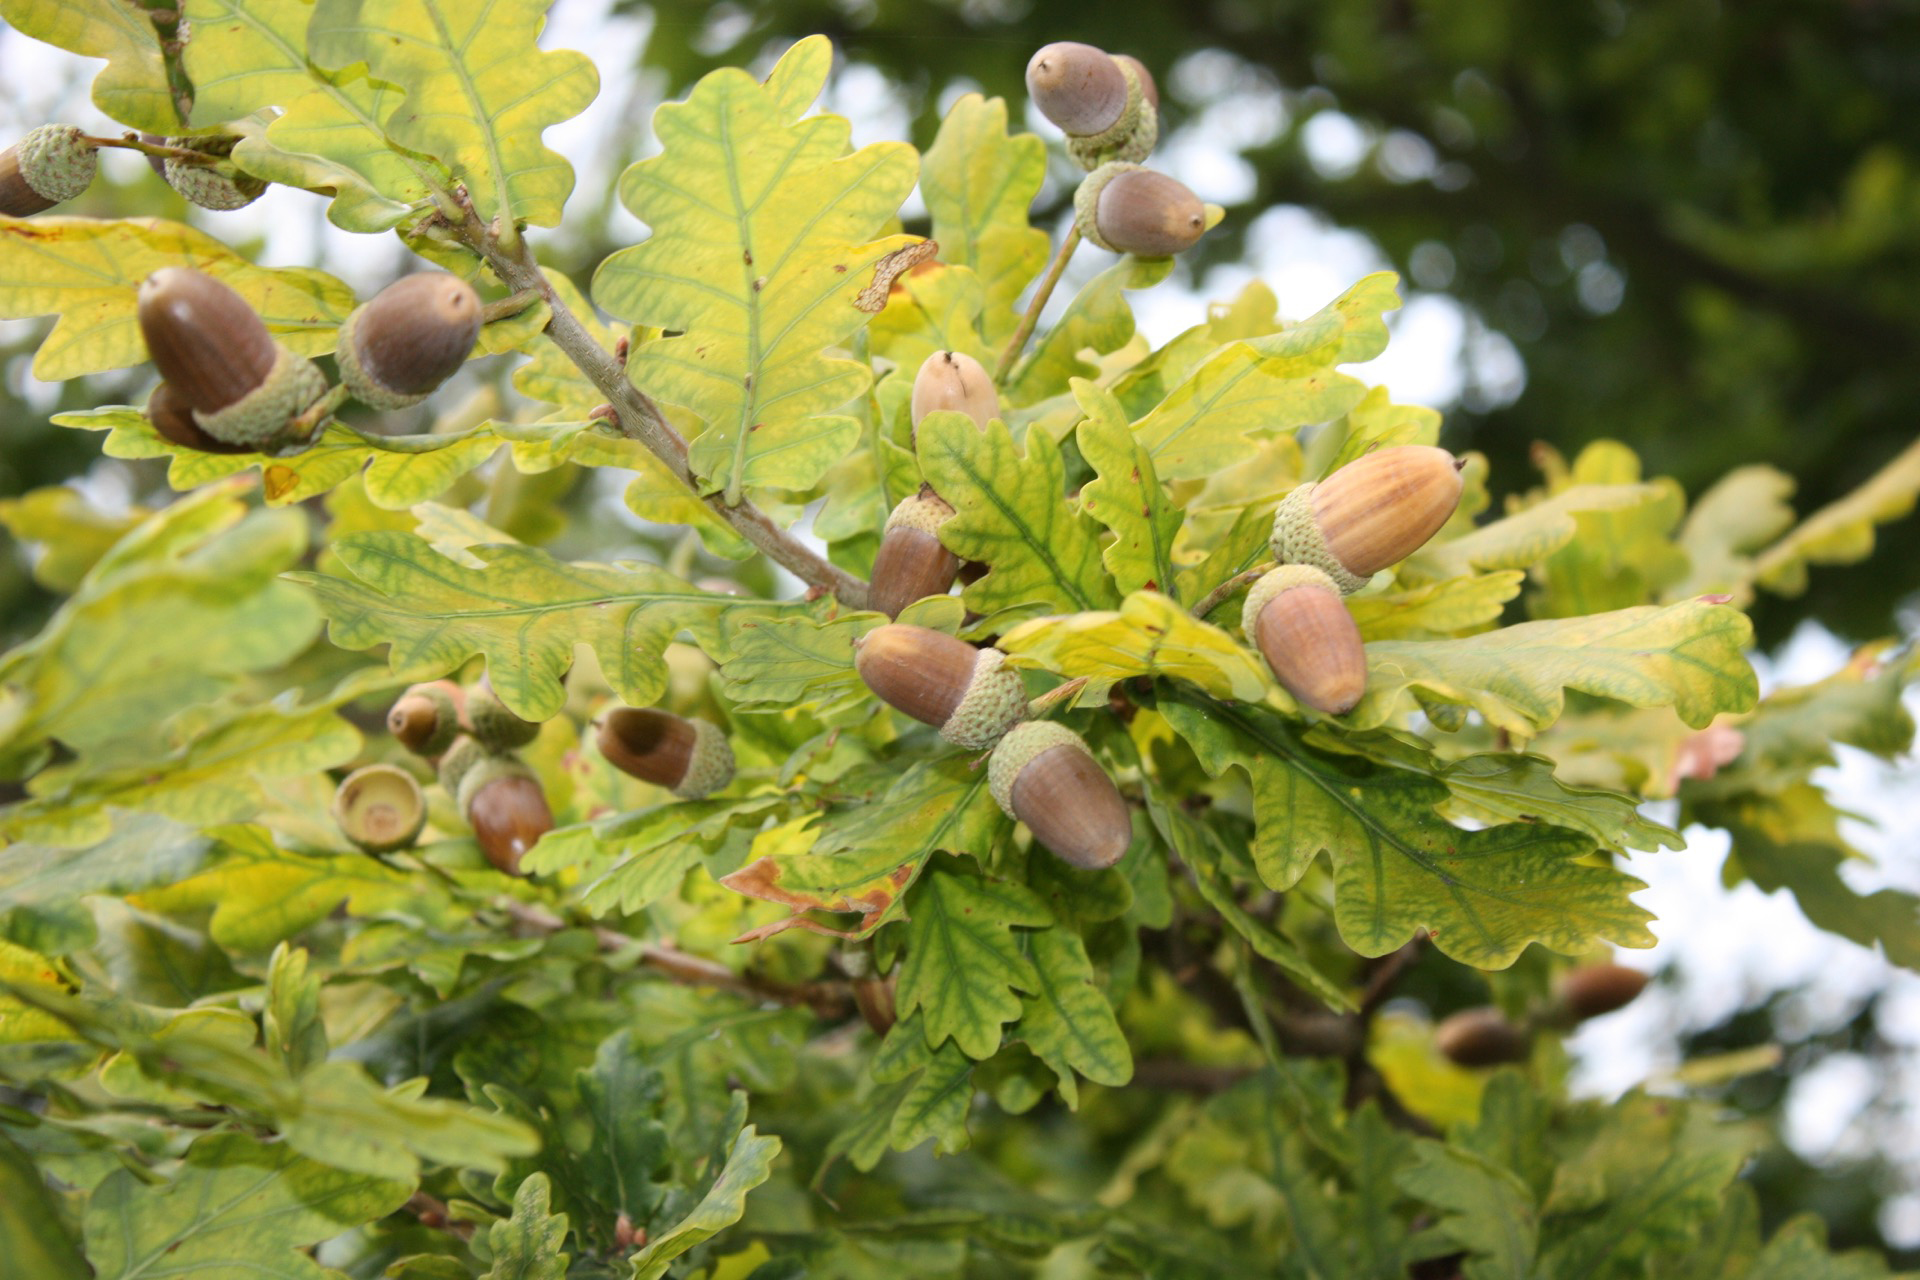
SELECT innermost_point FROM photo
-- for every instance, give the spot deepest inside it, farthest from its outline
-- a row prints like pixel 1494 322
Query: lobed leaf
pixel 133 86
pixel 528 1245
pixel 978 184
pixel 1097 318
pixel 963 962
pixel 1842 532
pixel 1126 496
pixel 749 1163
pixel 1067 1020
pixel 1451 607
pixel 1150 635
pixel 1524 538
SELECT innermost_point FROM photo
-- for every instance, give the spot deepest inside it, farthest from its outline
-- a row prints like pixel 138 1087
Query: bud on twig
pixel 1042 774
pixel 1371 513
pixel 691 758
pixel 969 693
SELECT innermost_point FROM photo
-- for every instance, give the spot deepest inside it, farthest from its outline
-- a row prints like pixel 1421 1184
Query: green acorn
pixel 380 808
pixel 204 184
pixel 413 336
pixel 970 694
pixel 496 728
pixel 1042 774
pixel 1374 512
pixel 506 808
pixel 912 562
pixel 1127 209
pixel 51 164
pixel 691 758
pixel 427 717
pixel 242 387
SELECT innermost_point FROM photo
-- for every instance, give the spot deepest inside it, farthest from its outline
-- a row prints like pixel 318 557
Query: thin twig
pixel 301 428
pixel 1246 577
pixel 639 417
pixel 1036 306
pixel 133 142
pixel 511 305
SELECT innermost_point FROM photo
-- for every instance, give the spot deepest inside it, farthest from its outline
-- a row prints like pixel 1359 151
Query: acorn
pixel 1593 990
pixel 1147 87
pixel 506 808
pixel 206 185
pixel 241 386
pixel 171 416
pixel 496 728
pixel 1099 101
pixel 458 761
pixel 954 380
pixel 970 694
pixel 1127 209
pixel 1375 511
pixel 1042 774
pixel 1297 619
pixel 414 335
pixel 1481 1037
pixel 53 163
pixel 427 717
pixel 691 758
pixel 380 808
pixel 912 563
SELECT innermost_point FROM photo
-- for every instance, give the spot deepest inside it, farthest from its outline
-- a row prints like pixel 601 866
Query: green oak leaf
pixel 1397 866
pixel 749 1163
pixel 524 611
pixel 963 963
pixel 635 859
pixel 1842 531
pixel 1098 317
pixel 620 1095
pixel 1435 610
pixel 1010 514
pixel 1742 512
pixel 1149 635
pixel 1067 1021
pixel 492 91
pixel 755 294
pixel 132 87
pixel 1524 538
pixel 527 1246
pixel 1127 496
pixel 290 1025
pixel 142 850
pixel 1486 1210
pixel 936 1102
pixel 978 184
pixel 37 1241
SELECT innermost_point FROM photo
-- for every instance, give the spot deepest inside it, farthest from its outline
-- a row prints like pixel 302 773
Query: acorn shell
pixel 1594 990
pixel 1299 621
pixel 413 336
pixel 204 338
pixel 1481 1037
pixel 507 810
pixel 954 380
pixel 1078 87
pixel 1370 514
pixel 380 808
pixel 1042 774
pixel 691 758
pixel 970 694
pixel 1128 209
pixel 912 563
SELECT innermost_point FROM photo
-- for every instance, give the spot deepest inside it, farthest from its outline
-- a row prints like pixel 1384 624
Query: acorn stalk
pixel 1042 774
pixel 1374 512
pixel 1296 617
pixel 970 694
pixel 912 563
pixel 414 335
pixel 1481 1037
pixel 427 717
pixel 506 808
pixel 52 164
pixel 380 808
pixel 1126 209
pixel 954 380
pixel 691 758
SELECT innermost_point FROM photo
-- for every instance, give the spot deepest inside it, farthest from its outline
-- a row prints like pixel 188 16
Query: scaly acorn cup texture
pixel 1126 209
pixel 414 335
pixel 506 809
pixel 51 164
pixel 689 757
pixel 457 761
pixel 1481 1037
pixel 496 728
pixel 1042 774
pixel 240 384
pixel 380 808
pixel 1298 619
pixel 970 694
pixel 1136 141
pixel 912 562
pixel 204 184
pixel 1102 103
pixel 172 417
pixel 426 718
pixel 1374 512
pixel 954 380
pixel 1594 990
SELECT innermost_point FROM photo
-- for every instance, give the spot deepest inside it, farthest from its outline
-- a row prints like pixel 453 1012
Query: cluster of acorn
pixel 229 387
pixel 57 162
pixel 1484 1037
pixel 472 741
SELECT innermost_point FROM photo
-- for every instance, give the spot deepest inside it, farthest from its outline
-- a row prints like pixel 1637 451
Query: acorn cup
pixel 690 758
pixel 240 386
pixel 1481 1037
pixel 380 808
pixel 414 335
pixel 969 694
pixel 52 164
pixel 204 184
pixel 457 761
pixel 1042 774
pixel 506 808
pixel 1297 619
pixel 496 728
pixel 954 380
pixel 427 717
pixel 1594 990
pixel 1107 106
pixel 1127 209
pixel 171 416
pixel 1374 512
pixel 912 563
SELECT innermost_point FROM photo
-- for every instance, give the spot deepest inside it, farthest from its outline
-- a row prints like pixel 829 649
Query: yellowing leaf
pixel 132 87
pixel 1744 510
pixel 88 270
pixel 1149 636
pixel 479 92
pixel 1842 531
pixel 1098 317
pixel 755 290
pixel 1690 656
pixel 72 534
pixel 1127 497
pixel 978 184
pixel 930 309
pixel 1452 607
pixel 1524 538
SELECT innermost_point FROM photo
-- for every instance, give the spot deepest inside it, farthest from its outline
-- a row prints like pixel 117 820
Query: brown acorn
pixel 506 808
pixel 1127 209
pixel 912 562
pixel 1043 775
pixel 171 416
pixel 241 386
pixel 968 693
pixel 1374 512
pixel 954 380
pixel 380 808
pixel 1297 619
pixel 1078 87
pixel 427 717
pixel 413 336
pixel 1145 77
pixel 1481 1037
pixel 1593 990
pixel 691 758
pixel 52 164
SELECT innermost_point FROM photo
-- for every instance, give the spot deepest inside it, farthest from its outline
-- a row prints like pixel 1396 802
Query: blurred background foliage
pixel 1689 226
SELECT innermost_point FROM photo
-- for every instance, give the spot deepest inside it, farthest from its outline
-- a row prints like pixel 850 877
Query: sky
pixel 1719 949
